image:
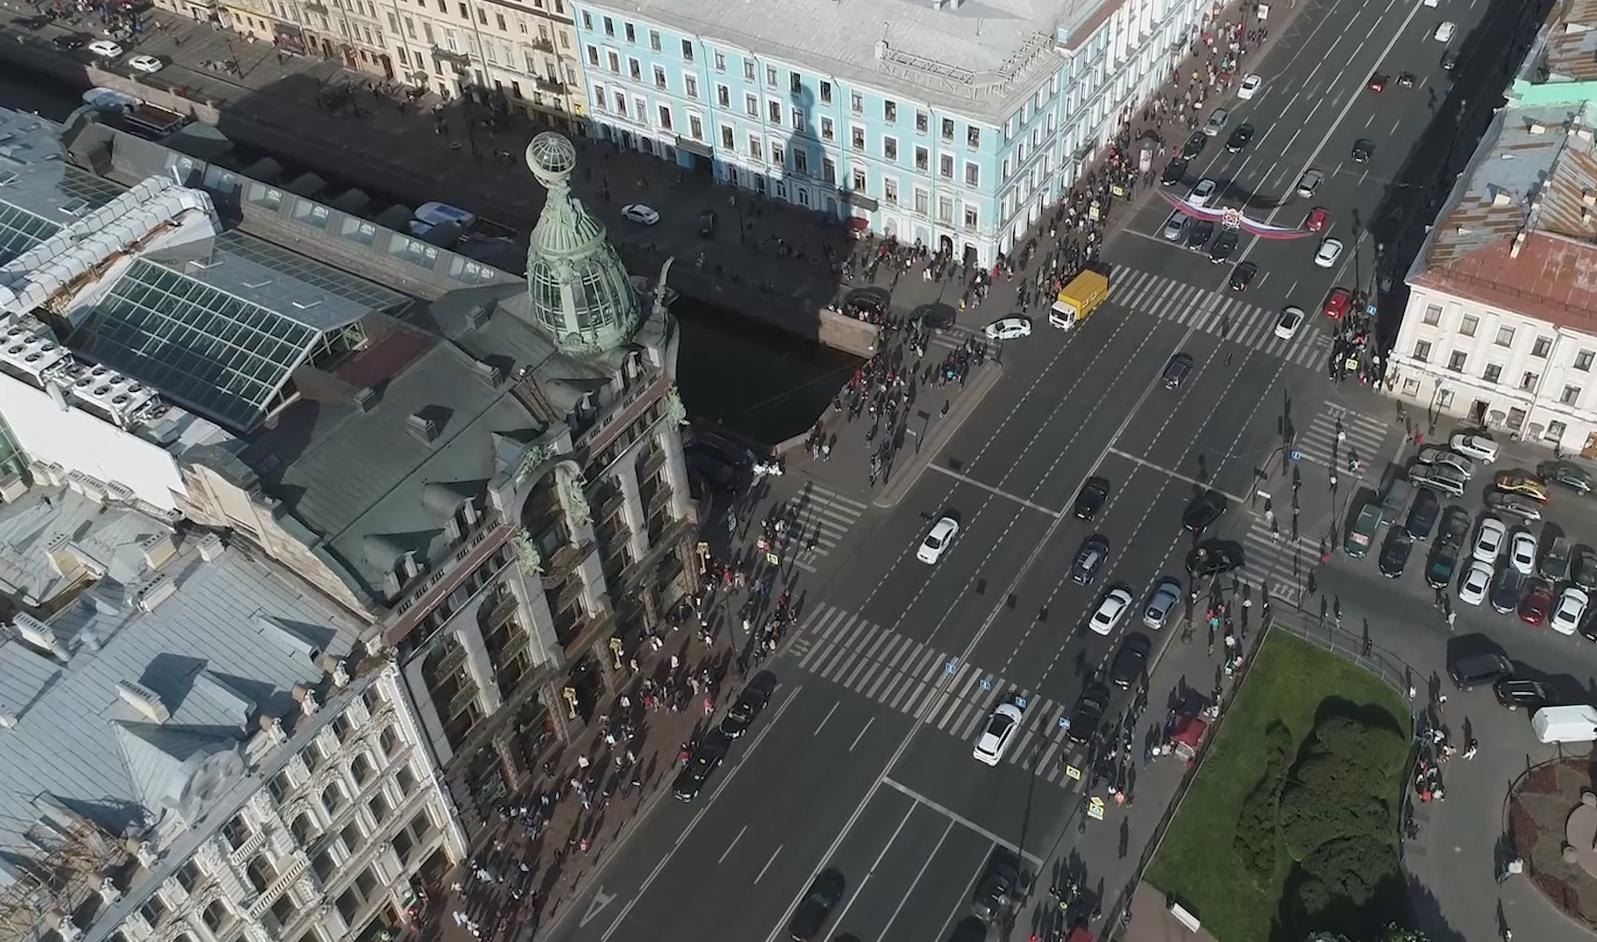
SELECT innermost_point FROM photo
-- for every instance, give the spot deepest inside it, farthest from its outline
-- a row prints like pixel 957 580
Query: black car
pixel 1583 567
pixel 1127 666
pixel 1204 510
pixel 1516 692
pixel 1422 514
pixel 1176 371
pixel 1089 559
pixel 1242 276
pixel 748 706
pixel 1094 494
pixel 1442 565
pixel 1405 80
pixel 1567 473
pixel 1484 668
pixel 1223 245
pixel 1200 233
pixel 1194 145
pixel 995 894
pixel 70 41
pixel 33 22
pixel 825 892
pixel 707 221
pixel 1088 711
pixel 1507 587
pixel 1363 149
pixel 704 760
pixel 1213 559
pixel 1395 552
pixel 1174 172
pixel 1239 138
pixel 1450 61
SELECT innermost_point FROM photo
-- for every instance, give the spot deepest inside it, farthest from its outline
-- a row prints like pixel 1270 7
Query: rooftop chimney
pixel 143 700
pixel 421 428
pixel 1519 243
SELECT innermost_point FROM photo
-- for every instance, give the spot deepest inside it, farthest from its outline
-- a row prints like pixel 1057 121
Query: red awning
pixel 858 223
pixel 1080 934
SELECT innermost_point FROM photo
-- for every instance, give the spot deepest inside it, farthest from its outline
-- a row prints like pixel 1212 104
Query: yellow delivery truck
pixel 1078 299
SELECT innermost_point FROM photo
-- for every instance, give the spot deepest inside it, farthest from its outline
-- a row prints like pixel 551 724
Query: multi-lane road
pixel 862 763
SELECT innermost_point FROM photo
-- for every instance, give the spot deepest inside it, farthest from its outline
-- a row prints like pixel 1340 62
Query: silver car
pixel 1176 226
pixel 1164 598
pixel 1442 457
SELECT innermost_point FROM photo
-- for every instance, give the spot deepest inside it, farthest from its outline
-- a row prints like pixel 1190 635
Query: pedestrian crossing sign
pixel 1095 808
pixel 1072 773
pixel 773 559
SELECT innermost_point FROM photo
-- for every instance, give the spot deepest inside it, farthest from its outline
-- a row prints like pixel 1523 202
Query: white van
pixel 1565 723
pixel 1444 33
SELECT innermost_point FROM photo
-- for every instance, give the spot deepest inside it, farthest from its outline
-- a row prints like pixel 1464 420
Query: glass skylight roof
pixel 218 353
pixel 20 231
pixel 304 268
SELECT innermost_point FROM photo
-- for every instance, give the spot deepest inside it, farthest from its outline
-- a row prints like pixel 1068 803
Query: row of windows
pixel 826 92
pixel 1458 362
pixel 1470 324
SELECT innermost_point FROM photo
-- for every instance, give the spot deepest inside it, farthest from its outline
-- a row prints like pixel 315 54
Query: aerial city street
pixel 646 472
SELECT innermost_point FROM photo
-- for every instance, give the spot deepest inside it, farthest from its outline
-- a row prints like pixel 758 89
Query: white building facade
pixel 944 127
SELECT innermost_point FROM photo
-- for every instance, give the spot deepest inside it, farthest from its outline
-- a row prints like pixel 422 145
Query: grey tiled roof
pixel 213 653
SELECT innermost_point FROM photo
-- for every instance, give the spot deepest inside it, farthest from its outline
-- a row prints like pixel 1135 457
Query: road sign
pixel 1071 772
pixel 1095 808
pixel 1021 702
pixel 949 667
pixel 1296 455
pixel 1064 722
pixel 986 683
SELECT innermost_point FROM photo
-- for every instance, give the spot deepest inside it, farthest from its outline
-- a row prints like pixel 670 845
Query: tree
pixel 1258 829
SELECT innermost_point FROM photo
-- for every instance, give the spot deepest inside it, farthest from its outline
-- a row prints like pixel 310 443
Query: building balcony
pixel 543 45
pixel 607 501
pixel 296 869
pixel 454 655
pixel 316 6
pixel 552 86
pixel 660 546
pixel 562 562
pixel 652 465
pixel 248 849
pixel 464 696
pixel 459 60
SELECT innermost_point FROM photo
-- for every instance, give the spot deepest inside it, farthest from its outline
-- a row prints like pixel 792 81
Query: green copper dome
pixel 580 291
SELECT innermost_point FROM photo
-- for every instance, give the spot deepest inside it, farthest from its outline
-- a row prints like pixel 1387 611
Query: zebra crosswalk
pixel 824 519
pixel 918 680
pixel 1276 562
pixel 955 336
pixel 1228 317
pixel 1338 432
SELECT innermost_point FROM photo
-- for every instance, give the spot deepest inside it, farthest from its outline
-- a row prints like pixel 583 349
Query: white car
pixel 1522 553
pixel 998 733
pixel 640 214
pixel 1489 540
pixel 936 542
pixel 1472 590
pixel 146 63
pixel 1330 251
pixel 1444 33
pixel 1249 86
pixel 105 49
pixel 1008 328
pixel 1474 445
pixel 1163 600
pixel 1110 611
pixel 1286 326
pixel 1202 193
pixel 1568 613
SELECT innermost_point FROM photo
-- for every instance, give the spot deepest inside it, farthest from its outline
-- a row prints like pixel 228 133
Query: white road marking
pixel 961 820
pixel 993 490
pixel 1175 474
pixel 726 853
pixel 600 900
pixel 859 891
pixel 913 883
pixel 827 717
pixel 768 863
pixel 862 729
pixel 666 857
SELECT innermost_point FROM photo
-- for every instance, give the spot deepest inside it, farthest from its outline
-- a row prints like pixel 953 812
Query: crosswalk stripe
pixel 833 621
pixel 860 666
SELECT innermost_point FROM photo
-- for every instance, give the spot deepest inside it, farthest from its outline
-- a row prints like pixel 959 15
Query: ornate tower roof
pixel 580 292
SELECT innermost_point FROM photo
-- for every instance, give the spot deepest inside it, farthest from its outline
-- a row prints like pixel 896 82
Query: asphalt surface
pixel 863 764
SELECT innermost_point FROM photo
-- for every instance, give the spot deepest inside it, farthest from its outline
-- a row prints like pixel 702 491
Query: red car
pixel 1319 217
pixel 1533 607
pixel 1377 83
pixel 1336 303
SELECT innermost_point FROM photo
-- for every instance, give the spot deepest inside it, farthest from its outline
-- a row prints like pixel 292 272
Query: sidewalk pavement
pixel 532 877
